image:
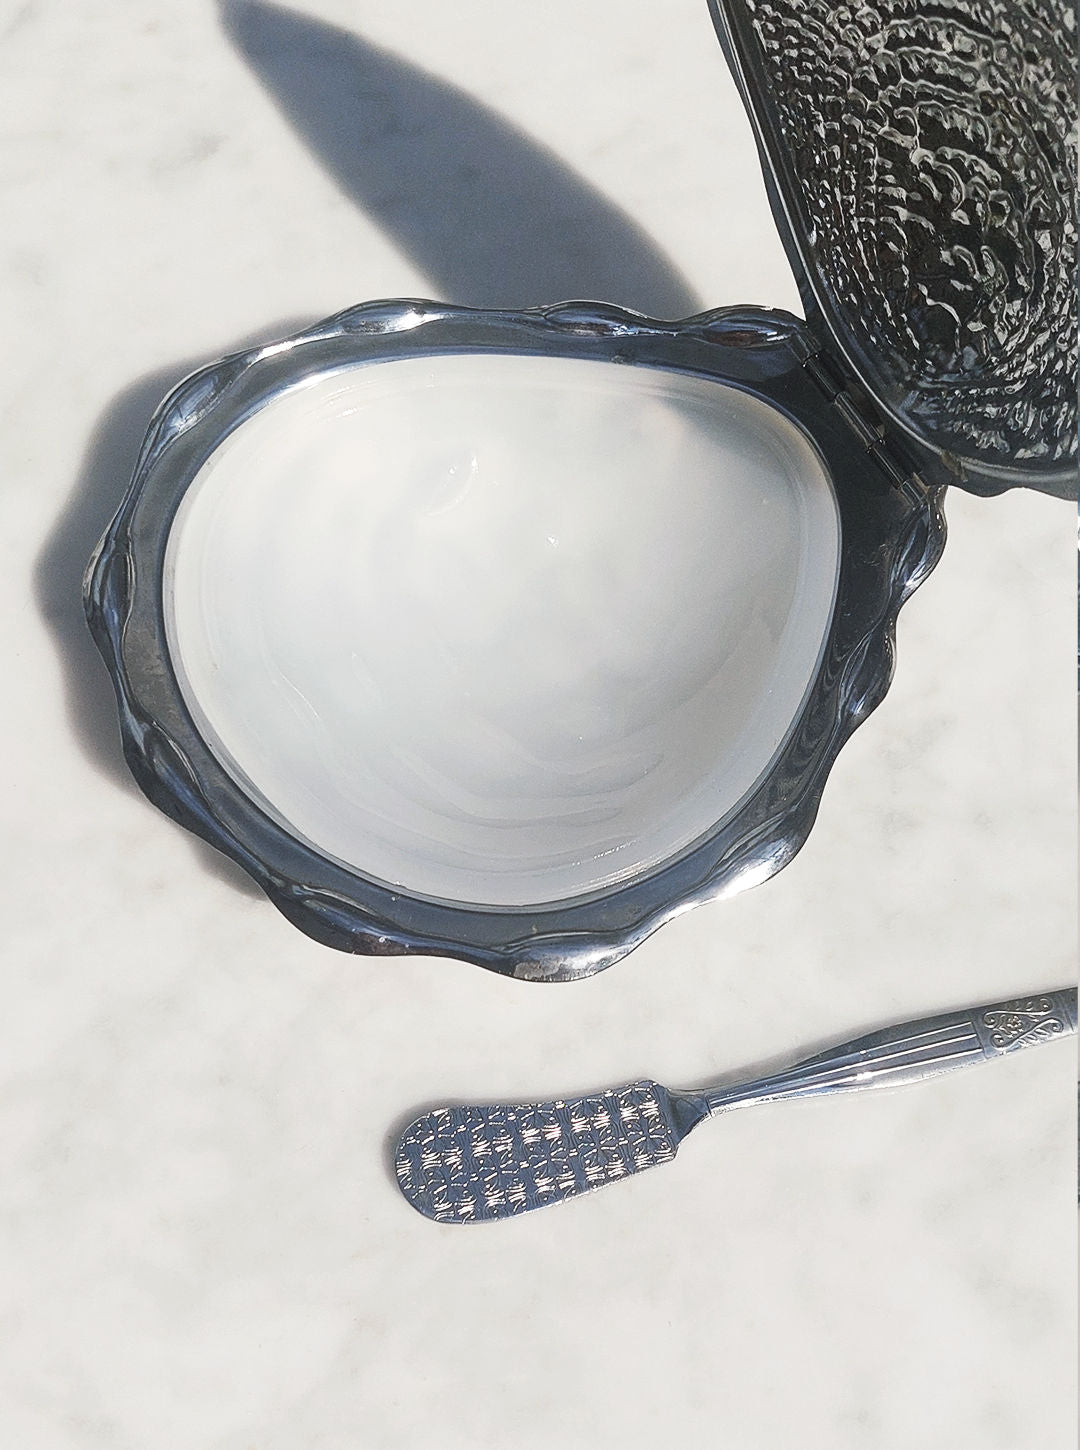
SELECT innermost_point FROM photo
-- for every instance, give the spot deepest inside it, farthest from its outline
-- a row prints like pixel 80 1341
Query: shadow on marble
pixel 492 217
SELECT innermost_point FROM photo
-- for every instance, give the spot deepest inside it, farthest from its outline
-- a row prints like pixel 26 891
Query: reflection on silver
pixel 472 1164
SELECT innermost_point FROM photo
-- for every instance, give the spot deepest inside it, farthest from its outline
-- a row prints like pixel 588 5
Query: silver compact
pixel 505 636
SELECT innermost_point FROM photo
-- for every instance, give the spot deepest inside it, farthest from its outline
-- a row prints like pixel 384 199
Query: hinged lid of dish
pixel 920 159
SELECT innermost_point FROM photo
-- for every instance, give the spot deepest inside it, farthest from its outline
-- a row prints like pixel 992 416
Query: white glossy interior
pixel 502 629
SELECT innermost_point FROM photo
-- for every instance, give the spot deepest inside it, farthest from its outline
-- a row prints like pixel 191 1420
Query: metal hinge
pixel 871 433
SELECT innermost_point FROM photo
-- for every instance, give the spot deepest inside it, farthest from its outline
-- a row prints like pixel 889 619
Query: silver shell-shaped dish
pixel 891 532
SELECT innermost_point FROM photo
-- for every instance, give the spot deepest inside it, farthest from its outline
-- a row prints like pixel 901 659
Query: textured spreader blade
pixel 472 1164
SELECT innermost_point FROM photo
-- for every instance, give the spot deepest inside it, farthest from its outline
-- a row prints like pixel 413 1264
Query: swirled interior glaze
pixel 502 629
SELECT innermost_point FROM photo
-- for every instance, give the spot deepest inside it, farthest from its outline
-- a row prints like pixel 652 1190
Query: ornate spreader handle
pixel 471 1164
pixel 912 1051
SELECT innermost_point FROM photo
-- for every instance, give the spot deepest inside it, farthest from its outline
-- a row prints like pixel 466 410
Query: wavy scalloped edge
pixel 569 940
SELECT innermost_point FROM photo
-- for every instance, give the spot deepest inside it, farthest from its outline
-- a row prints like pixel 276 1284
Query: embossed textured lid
pixel 920 157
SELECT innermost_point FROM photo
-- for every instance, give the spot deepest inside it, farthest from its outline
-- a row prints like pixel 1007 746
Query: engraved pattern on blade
pixel 470 1164
pixel 935 150
pixel 1023 1022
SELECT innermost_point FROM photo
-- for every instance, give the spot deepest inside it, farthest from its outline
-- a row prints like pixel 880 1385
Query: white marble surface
pixel 200 1241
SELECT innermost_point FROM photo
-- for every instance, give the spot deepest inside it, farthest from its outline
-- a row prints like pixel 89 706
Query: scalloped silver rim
pixel 891 539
